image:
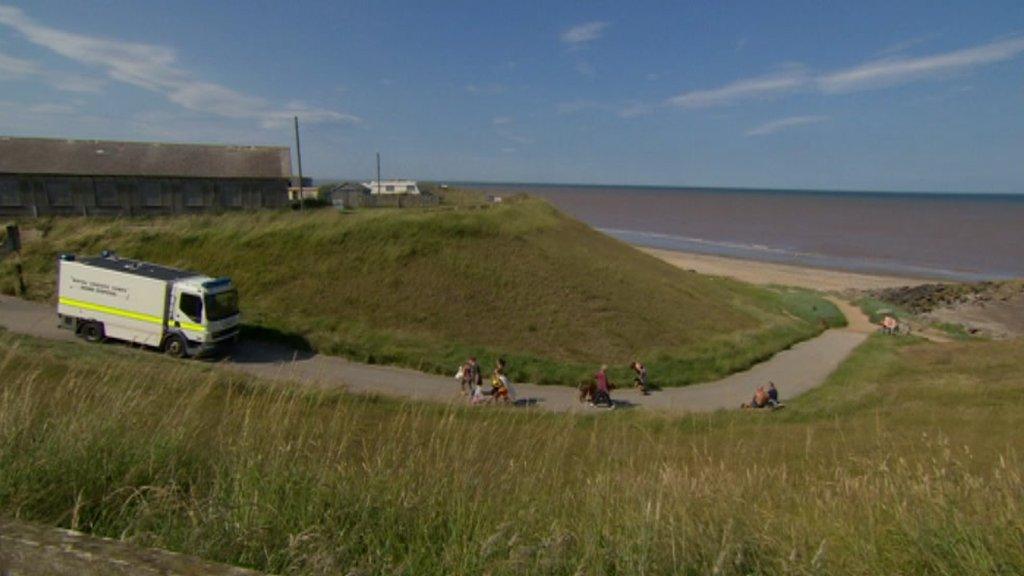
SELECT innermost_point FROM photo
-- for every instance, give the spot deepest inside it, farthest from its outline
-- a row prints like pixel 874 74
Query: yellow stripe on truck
pixel 124 313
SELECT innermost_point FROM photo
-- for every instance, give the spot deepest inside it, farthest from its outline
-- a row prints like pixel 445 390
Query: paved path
pixel 29 549
pixel 794 371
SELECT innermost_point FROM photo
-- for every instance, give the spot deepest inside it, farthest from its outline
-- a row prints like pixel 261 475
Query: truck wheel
pixel 174 345
pixel 92 332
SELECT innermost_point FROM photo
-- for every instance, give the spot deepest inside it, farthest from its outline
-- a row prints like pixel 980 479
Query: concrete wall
pixel 134 196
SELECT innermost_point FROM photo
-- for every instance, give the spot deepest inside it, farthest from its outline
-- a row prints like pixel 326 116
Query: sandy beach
pixel 757 272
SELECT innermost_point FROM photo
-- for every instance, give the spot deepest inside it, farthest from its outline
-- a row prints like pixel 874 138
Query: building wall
pixel 346 199
pixel 32 195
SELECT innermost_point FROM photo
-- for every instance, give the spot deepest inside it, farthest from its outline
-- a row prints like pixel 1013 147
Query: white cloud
pixel 875 74
pixel 52 108
pixel 784 123
pixel 11 67
pixel 583 34
pixel 501 121
pixel 905 45
pixel 891 71
pixel 636 109
pixel 787 80
pixel 155 68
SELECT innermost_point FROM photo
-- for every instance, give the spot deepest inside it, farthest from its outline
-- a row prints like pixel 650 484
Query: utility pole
pixel 378 172
pixel 298 154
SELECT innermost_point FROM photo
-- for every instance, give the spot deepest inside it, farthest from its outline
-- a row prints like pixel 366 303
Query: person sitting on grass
pixel 760 399
pixel 773 395
pixel 640 379
pixel 602 387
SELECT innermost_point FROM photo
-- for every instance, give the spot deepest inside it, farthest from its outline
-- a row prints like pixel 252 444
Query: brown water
pixel 952 236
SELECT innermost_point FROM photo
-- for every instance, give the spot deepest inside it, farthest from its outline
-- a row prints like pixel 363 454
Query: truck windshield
pixel 221 305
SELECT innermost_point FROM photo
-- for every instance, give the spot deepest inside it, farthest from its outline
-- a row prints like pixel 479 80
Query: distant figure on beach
pixel 640 378
pixel 601 397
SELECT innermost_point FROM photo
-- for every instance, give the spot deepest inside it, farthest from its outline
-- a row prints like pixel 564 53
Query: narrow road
pixel 794 371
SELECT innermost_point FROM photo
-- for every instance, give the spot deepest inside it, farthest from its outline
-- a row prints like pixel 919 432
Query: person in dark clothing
pixel 471 375
pixel 640 378
pixel 601 388
pixel 773 395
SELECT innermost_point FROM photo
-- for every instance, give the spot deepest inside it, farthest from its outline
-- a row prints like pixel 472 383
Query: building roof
pixel 109 158
pixel 349 187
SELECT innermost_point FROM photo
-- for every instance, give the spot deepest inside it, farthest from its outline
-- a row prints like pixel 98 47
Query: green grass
pixel 428 288
pixel 873 308
pixel 906 462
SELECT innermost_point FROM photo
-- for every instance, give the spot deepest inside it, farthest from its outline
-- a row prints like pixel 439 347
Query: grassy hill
pixel 906 462
pixel 427 288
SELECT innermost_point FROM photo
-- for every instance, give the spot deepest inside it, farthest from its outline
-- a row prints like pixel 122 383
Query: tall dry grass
pixel 200 460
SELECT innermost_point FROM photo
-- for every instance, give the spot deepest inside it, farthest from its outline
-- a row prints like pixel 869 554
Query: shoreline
pixel 766 272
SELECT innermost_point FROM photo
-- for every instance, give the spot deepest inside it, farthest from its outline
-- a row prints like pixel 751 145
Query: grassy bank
pixel 907 461
pixel 427 288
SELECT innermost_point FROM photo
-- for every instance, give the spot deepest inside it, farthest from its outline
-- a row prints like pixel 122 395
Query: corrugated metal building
pixel 42 176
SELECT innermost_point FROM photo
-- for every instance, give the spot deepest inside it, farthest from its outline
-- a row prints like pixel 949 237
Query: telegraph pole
pixel 378 172
pixel 298 154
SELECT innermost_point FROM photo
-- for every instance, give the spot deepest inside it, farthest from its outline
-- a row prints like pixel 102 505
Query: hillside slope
pixel 426 288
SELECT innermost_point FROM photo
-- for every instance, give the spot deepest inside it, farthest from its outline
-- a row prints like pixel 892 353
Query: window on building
pixel 106 195
pixel 231 194
pixel 194 198
pixel 59 193
pixel 389 188
pixel 9 193
pixel 191 306
pixel 152 194
pixel 410 188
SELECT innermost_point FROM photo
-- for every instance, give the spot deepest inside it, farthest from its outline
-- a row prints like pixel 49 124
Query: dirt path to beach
pixel 794 371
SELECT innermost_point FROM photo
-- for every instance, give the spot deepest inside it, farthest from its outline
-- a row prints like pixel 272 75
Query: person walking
pixel 500 385
pixel 471 376
pixel 640 377
pixel 602 387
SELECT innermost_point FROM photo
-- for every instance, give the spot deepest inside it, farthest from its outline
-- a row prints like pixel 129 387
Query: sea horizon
pixel 969 236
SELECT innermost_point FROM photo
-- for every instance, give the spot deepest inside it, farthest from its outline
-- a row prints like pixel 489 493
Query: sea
pixel 963 237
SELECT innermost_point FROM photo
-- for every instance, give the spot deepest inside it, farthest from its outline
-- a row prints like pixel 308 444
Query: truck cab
pixel 204 312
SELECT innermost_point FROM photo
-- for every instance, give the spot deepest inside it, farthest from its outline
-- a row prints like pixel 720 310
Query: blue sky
pixel 853 95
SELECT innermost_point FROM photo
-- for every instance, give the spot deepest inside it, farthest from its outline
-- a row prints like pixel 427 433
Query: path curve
pixel 796 370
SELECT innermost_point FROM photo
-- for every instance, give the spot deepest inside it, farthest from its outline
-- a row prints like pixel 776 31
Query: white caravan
pixel 179 312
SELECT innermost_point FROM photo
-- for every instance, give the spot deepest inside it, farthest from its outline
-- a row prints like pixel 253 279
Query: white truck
pixel 179 312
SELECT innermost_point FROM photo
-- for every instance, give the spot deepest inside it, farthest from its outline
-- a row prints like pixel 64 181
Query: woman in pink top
pixel 601 395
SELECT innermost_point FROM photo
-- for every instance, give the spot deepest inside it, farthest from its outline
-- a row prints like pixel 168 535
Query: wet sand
pixel 759 272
